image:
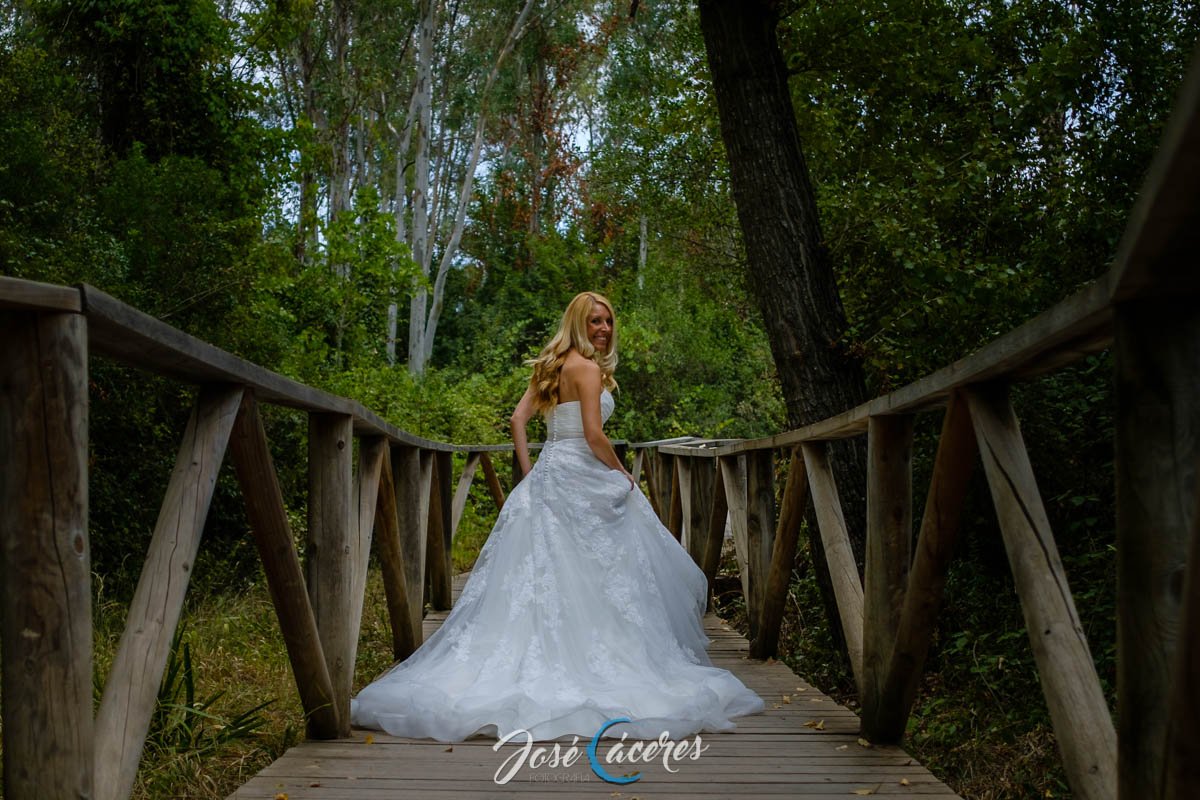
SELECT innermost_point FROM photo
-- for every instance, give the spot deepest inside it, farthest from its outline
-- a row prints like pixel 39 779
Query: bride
pixel 581 607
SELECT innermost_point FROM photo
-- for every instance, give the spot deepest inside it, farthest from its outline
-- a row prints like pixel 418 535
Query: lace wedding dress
pixel 581 608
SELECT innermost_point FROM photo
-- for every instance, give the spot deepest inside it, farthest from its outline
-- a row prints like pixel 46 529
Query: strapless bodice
pixel 565 421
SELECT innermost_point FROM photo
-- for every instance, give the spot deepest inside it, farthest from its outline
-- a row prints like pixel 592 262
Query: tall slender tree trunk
pixel 421 244
pixel 789 268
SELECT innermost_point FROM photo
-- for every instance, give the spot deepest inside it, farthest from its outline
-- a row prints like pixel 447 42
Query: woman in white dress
pixel 581 607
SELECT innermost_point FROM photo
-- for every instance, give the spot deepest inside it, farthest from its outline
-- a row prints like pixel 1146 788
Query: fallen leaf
pixel 787 698
pixel 369 740
pixel 816 724
pixel 863 742
pixel 841 747
pixel 904 781
pixel 801 688
pixel 281 796
pixel 315 785
pixel 864 792
pixel 775 705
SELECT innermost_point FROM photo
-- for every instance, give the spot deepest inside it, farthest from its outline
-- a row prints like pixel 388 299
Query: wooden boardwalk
pixel 804 744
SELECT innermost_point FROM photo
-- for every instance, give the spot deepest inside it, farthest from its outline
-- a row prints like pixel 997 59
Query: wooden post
pixel 392 564
pixel 462 491
pixel 718 518
pixel 267 514
pixel 675 505
pixel 683 470
pixel 638 456
pixel 1078 710
pixel 439 571
pixel 699 498
pixel 651 465
pixel 889 536
pixel 493 481
pixel 952 468
pixel 413 472
pixel 133 680
pixel 367 483
pixel 843 572
pixel 46 602
pixel 783 556
pixel 1157 448
pixel 760 529
pixel 330 549
pixel 733 478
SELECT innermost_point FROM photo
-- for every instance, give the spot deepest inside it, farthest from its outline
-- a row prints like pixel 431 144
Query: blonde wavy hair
pixel 572 333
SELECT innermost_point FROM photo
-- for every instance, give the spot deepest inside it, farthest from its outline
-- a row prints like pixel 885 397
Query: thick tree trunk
pixel 789 269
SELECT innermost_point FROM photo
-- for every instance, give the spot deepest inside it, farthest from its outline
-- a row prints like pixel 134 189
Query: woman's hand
pixel 629 477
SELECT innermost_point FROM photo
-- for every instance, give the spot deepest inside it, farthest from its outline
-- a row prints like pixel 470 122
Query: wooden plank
pixel 638 457
pixel 1157 449
pixel 18 294
pixel 45 561
pixel 675 504
pixel 413 473
pixel 493 480
pixel 952 468
pixel 652 466
pixel 888 552
pixel 367 488
pixel 718 517
pixel 1066 332
pixel 1157 253
pixel 683 470
pixel 1183 737
pixel 391 563
pixel 462 491
pixel 835 538
pixel 268 519
pixel 733 477
pixel 778 753
pixel 1082 724
pixel 119 331
pixel 760 529
pixel 438 568
pixel 330 552
pixel 783 557
pixel 132 687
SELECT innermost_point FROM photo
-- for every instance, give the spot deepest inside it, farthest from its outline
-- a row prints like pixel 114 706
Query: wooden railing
pixel 399 495
pixel 1146 309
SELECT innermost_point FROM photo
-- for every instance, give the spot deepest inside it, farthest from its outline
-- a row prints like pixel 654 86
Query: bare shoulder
pixel 580 376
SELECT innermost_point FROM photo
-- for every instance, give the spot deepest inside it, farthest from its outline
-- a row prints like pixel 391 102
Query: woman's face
pixel 600 327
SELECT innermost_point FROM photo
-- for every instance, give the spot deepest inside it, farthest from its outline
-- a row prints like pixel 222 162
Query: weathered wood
pixel 638 456
pixel 462 491
pixel 268 519
pixel 330 552
pixel 438 569
pixel 952 467
pixel 21 295
pixel 675 505
pixel 843 572
pixel 651 467
pixel 412 471
pixel 699 497
pixel 46 602
pixel 1163 231
pixel 760 530
pixel 1082 723
pixel 132 687
pixel 780 753
pixel 493 480
pixel 889 537
pixel 391 563
pixel 718 517
pixel 1064 333
pixel 1157 448
pixel 783 557
pixel 1183 730
pixel 122 332
pixel 733 478
pixel 368 484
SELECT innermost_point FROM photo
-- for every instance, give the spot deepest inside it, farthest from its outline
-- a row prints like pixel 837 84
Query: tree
pixel 788 265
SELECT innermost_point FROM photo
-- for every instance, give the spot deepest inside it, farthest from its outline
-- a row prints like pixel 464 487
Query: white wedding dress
pixel 581 608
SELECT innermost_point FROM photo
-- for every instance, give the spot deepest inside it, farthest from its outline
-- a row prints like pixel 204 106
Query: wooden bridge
pixel 402 496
